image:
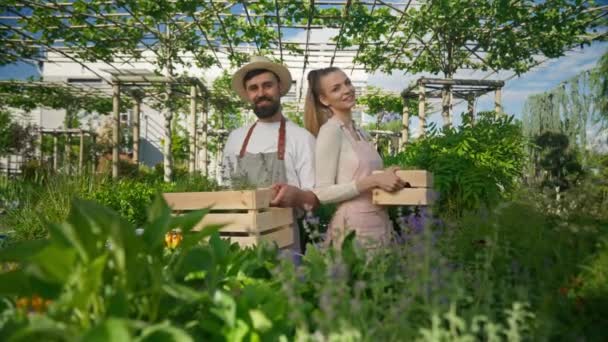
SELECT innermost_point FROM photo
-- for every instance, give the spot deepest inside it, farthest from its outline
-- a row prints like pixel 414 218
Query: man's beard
pixel 266 110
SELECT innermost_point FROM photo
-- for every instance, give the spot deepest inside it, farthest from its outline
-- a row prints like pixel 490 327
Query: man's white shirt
pixel 299 150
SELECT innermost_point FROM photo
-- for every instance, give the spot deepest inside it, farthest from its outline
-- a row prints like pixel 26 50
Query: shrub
pixel 473 166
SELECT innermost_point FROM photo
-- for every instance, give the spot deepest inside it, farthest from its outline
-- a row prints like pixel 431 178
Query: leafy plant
pixel 473 166
pixel 98 279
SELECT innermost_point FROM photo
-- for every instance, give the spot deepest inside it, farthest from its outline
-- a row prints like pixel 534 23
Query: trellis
pixel 68 133
pixel 213 32
pixel 125 78
pixel 427 88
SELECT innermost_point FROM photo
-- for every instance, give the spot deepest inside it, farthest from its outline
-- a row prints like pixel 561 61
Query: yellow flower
pixel 23 303
pixel 33 304
pixel 173 239
pixel 37 304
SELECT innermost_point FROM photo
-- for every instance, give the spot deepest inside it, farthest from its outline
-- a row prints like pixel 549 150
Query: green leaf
pixel 23 250
pixel 42 325
pixel 259 320
pixel 189 220
pixel 56 262
pixel 184 293
pixel 224 307
pixel 164 332
pixel 110 330
pixel 193 239
pixel 159 218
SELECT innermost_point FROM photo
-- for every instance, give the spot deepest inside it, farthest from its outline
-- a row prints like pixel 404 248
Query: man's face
pixel 264 94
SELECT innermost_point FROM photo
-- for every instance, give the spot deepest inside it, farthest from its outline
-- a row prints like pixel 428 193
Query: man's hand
pixel 286 195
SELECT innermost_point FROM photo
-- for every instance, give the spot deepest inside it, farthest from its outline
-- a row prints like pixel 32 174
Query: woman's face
pixel 337 92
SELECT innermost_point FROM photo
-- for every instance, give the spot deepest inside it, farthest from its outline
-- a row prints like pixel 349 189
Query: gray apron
pixel 264 169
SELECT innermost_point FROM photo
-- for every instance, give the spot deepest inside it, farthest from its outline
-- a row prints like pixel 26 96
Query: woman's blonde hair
pixel 315 113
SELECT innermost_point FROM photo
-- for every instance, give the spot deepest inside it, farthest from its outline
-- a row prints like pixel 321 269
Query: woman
pixel 345 160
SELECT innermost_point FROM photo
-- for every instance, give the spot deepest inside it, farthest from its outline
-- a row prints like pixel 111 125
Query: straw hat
pixel 259 62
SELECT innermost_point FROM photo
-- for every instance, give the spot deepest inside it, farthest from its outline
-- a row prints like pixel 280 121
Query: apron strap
pixel 246 141
pixel 281 144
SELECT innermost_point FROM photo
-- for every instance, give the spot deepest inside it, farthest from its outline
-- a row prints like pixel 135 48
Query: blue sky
pixel 542 78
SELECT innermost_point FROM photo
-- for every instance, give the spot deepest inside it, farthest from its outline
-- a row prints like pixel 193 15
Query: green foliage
pixel 47 199
pixel 518 322
pixel 378 101
pixel 101 281
pixel 506 253
pixel 14 138
pixel 477 277
pixel 437 35
pixel 31 96
pixel 473 166
pixel 570 108
pixel 225 103
pixel 557 162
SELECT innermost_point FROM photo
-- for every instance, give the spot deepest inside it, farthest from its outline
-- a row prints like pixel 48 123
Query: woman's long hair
pixel 315 113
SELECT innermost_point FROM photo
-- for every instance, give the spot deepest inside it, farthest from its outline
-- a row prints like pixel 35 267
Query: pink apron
pixel 370 222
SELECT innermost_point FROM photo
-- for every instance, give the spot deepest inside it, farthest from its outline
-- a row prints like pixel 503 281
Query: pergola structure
pixel 216 33
pixel 68 133
pixel 134 81
pixel 446 89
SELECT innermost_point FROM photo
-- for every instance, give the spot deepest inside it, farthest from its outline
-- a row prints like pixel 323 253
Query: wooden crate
pixel 245 214
pixel 420 192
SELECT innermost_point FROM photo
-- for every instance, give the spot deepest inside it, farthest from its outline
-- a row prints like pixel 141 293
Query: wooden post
pixel 421 109
pixel 204 126
pixel 192 131
pixel 93 153
pixel 471 108
pixel 81 153
pixel 55 152
pixel 498 101
pixel 8 165
pixel 445 106
pixel 115 128
pixel 67 152
pixel 136 115
pixel 405 128
pixel 40 143
pixel 167 146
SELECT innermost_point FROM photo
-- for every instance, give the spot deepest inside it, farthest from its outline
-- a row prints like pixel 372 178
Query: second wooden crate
pixel 246 215
pixel 420 191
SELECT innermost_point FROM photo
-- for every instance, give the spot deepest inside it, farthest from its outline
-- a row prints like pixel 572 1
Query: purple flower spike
pixel 416 223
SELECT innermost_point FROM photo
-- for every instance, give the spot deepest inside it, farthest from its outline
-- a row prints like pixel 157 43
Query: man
pixel 273 151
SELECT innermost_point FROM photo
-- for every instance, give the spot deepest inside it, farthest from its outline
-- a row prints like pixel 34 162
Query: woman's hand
pixel 388 180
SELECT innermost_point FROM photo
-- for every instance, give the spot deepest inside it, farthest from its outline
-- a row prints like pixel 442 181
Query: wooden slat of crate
pixel 283 237
pixel 407 196
pixel 251 221
pixel 416 178
pixel 243 199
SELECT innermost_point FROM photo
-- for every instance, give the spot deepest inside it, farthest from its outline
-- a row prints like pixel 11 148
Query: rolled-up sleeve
pixel 327 161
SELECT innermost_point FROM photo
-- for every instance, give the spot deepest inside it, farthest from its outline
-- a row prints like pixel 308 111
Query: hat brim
pixel 278 69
